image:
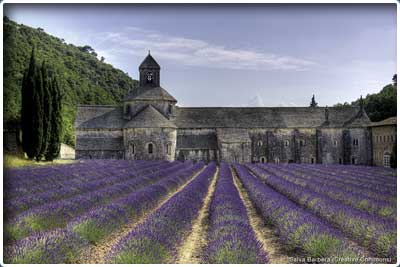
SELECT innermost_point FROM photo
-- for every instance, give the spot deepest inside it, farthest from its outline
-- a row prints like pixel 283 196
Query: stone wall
pixel 383 140
pixel 137 143
pixel 330 148
pixel 99 154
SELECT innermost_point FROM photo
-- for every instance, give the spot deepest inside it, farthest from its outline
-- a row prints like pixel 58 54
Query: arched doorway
pixel 262 159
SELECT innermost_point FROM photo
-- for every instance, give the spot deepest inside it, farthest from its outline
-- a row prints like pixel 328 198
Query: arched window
pixel 170 108
pixel 302 142
pixel 286 142
pixel 334 142
pixel 259 143
pixel 312 160
pixel 353 161
pixel 150 148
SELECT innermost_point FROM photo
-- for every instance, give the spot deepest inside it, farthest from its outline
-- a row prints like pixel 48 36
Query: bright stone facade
pixel 149 125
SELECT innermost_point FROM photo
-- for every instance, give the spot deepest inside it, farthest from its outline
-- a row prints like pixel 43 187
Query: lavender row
pixel 330 179
pixel 376 234
pixel 57 214
pixel 30 176
pixel 354 178
pixel 50 182
pixel 57 246
pixel 96 224
pixel 372 173
pixel 230 236
pixel 28 201
pixel 384 209
pixel 297 228
pixel 156 239
pixel 66 243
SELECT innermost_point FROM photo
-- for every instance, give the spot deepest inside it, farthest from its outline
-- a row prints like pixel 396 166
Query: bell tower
pixel 149 72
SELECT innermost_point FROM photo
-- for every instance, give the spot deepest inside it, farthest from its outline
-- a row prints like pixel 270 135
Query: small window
pixel 170 108
pixel 353 161
pixel 286 142
pixel 380 138
pixel 355 142
pixel 133 148
pixel 334 142
pixel 276 160
pixel 150 148
pixel 259 143
pixel 340 161
pixel 168 149
pixel 391 138
pixel 302 142
pixel 384 138
pixel 386 160
pixel 312 160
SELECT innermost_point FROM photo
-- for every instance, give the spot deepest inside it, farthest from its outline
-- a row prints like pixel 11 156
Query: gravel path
pixel 192 246
pixel 95 254
pixel 264 234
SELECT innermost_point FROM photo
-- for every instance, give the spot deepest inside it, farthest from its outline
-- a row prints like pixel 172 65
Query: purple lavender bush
pixel 156 239
pixel 297 228
pixel 376 234
pixel 57 246
pixel 59 213
pixel 230 236
pixel 348 194
pixel 98 223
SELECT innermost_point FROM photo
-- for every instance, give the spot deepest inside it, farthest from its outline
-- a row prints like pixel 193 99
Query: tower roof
pixel 149 62
pixel 149 93
pixel 149 117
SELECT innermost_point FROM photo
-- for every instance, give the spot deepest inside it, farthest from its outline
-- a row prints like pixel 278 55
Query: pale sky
pixel 236 55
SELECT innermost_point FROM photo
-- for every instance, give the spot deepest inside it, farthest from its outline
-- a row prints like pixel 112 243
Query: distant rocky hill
pixel 83 77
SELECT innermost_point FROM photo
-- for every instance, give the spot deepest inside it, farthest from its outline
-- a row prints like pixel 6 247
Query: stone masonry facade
pixel 149 125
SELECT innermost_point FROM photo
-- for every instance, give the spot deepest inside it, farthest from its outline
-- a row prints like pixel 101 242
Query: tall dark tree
pixel 393 157
pixel 31 118
pixel 313 103
pixel 37 115
pixel 47 108
pixel 53 148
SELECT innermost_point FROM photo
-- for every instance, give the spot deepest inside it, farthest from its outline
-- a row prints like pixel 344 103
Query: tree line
pixel 41 119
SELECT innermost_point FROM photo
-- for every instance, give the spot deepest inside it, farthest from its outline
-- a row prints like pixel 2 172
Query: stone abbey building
pixel 149 125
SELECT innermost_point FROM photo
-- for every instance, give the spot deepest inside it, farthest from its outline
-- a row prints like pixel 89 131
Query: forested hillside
pixel 83 78
pixel 381 105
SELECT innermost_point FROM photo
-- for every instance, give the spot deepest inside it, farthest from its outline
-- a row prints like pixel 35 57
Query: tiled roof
pixel 388 121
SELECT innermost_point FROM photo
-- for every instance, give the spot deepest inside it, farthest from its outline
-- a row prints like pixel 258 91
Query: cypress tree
pixel 37 115
pixel 47 109
pixel 27 107
pixel 53 149
pixel 393 156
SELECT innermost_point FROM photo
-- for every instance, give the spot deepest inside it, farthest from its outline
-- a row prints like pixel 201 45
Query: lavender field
pixel 116 211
